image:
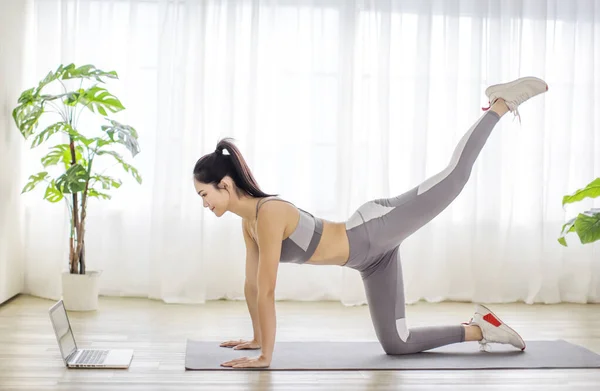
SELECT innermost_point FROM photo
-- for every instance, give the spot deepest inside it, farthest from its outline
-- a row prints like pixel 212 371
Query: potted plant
pixel 73 159
pixel 585 224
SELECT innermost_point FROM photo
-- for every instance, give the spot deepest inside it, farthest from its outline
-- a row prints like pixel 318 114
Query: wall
pixel 12 44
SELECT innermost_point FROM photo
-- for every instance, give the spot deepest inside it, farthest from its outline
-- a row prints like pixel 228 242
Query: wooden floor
pixel 30 359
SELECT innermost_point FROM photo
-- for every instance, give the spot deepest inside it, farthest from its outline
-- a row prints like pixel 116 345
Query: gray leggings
pixel 376 231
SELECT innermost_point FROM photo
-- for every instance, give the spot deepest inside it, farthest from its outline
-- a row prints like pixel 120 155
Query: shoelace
pixel 484 347
pixel 512 105
pixel 513 109
pixel 483 344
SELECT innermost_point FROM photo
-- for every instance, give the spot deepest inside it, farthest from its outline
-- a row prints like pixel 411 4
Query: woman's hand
pixel 241 344
pixel 248 362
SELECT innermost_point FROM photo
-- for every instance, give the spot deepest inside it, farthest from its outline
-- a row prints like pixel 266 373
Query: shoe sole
pixel 502 323
pixel 498 87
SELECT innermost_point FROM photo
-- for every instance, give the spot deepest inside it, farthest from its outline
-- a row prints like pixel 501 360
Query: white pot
pixel 80 291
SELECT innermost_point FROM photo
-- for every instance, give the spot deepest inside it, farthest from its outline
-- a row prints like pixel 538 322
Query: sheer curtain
pixel 333 103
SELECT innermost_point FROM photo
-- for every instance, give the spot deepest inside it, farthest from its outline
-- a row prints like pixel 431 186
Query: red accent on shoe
pixel 492 319
pixel 546 87
pixel 487 108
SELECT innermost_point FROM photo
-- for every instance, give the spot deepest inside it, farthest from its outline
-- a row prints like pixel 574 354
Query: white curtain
pixel 333 103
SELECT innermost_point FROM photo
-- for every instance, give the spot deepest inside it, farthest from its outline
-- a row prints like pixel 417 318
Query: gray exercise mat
pixel 318 356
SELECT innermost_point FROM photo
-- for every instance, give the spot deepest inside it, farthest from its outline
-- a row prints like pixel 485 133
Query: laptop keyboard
pixel 92 357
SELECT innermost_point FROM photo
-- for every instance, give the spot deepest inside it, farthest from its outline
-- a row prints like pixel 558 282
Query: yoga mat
pixel 323 355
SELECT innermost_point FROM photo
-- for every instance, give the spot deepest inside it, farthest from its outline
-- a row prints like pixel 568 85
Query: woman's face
pixel 216 200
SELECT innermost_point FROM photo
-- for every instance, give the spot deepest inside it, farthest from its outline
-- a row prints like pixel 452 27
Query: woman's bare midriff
pixel 333 248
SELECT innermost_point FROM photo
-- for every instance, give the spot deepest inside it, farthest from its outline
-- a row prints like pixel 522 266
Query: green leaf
pixel 85 141
pixel 47 98
pixel 568 227
pixel 587 226
pixel 45 134
pixel 26 117
pixel 72 98
pixel 62 153
pixel 97 194
pixel 76 136
pixel 73 180
pixel 125 135
pixel 56 75
pixel 52 193
pixel 27 96
pixel 562 241
pixel 31 104
pixel 50 77
pixel 100 142
pixel 71 72
pixel 127 167
pixel 98 99
pixel 88 72
pixel 134 172
pixel 106 181
pixel 592 190
pixel 34 180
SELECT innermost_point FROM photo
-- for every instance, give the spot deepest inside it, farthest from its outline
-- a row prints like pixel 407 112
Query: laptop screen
pixel 62 328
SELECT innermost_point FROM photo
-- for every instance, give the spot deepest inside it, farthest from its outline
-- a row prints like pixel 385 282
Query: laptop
pixel 83 358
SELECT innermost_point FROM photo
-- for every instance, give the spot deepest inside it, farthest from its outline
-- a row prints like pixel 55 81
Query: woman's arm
pixel 270 230
pixel 270 234
pixel 250 284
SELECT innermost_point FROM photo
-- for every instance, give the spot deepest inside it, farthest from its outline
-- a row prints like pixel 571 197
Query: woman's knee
pixel 396 350
pixel 397 347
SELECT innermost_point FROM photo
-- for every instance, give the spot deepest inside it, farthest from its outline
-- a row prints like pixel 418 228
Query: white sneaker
pixel 494 330
pixel 515 92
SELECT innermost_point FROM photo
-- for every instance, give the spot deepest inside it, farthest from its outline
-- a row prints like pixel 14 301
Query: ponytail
pixel 212 168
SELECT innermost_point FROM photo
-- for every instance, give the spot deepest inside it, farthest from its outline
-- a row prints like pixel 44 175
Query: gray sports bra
pixel 302 243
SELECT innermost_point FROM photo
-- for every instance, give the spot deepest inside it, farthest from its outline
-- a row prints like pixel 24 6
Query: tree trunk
pixel 75 258
pixel 82 258
pixel 71 256
pixel 81 231
pixel 80 245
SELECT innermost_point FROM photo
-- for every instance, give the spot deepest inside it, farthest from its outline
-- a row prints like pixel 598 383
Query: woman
pixel 368 242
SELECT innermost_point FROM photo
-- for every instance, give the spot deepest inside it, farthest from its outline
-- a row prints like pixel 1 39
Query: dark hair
pixel 211 168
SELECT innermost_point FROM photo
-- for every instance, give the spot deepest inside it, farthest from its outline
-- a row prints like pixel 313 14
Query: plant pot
pixel 80 291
